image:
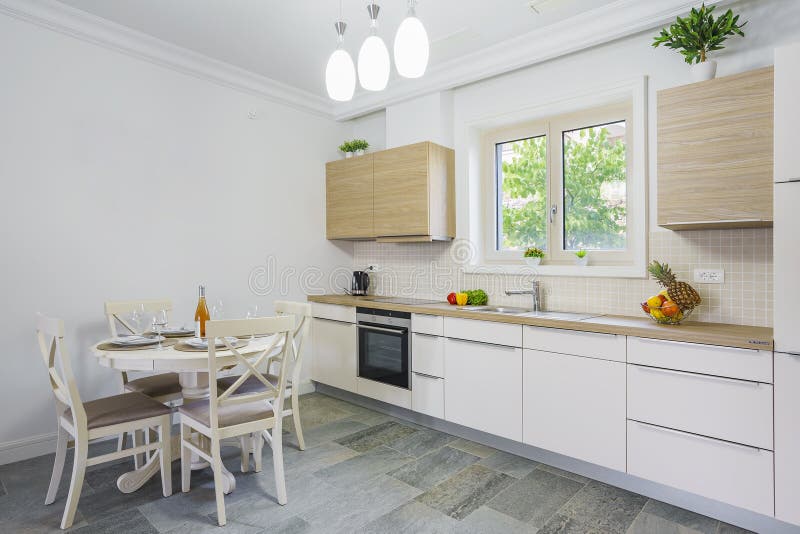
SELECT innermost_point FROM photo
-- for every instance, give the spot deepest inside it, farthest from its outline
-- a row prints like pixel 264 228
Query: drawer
pixel 589 344
pixel 427 324
pixel 427 395
pixel 333 312
pixel 745 364
pixel 383 392
pixel 727 472
pixel 427 355
pixel 724 408
pixel 483 331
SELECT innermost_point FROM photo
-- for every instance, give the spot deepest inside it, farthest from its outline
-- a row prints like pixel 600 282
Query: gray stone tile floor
pixel 362 471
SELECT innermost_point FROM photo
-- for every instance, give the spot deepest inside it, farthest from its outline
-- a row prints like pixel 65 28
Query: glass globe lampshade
pixel 411 47
pixel 373 64
pixel 340 76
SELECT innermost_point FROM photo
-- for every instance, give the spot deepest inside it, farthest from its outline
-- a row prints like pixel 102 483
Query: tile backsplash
pixel 432 270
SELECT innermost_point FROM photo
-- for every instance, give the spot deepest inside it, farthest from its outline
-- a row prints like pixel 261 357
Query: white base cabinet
pixel 787 437
pixel 427 395
pixel 575 406
pixel 335 353
pixel 736 474
pixel 483 387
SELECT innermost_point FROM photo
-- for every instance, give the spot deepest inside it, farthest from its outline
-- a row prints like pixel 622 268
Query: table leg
pixel 194 386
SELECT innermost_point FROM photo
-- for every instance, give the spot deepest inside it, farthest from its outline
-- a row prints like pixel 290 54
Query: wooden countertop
pixel 726 335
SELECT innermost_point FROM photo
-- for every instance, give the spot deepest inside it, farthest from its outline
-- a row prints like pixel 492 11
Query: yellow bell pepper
pixel 461 299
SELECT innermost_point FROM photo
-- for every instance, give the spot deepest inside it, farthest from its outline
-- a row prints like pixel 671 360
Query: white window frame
pixel 565 115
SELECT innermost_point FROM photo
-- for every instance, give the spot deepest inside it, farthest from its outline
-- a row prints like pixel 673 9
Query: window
pixel 562 184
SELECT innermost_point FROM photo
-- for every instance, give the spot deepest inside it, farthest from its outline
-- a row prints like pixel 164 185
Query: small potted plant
pixel 581 259
pixel 359 146
pixel 697 35
pixel 533 256
pixel 347 149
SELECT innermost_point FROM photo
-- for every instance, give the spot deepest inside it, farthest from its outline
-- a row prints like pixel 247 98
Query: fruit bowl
pixel 669 314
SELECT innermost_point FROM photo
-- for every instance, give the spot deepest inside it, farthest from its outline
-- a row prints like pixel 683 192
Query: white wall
pixel 371 127
pixel 102 153
pixel 771 23
pixel 427 118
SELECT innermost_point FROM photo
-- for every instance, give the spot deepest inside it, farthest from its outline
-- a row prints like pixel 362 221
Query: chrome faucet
pixel 534 291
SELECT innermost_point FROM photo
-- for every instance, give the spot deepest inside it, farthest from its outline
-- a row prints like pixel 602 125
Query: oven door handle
pixel 399 331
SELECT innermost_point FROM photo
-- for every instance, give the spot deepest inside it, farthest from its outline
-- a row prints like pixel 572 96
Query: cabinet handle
pixel 687 344
pixel 469 341
pixel 697 437
pixel 428 376
pixel 426 335
pixel 718 221
pixel 700 376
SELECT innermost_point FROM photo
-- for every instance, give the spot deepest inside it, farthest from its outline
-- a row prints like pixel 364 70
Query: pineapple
pixel 684 295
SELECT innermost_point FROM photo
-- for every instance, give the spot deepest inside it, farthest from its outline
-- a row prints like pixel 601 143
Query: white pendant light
pixel 411 46
pixel 373 58
pixel 340 73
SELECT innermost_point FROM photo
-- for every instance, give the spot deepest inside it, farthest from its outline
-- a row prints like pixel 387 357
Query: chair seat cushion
pixel 232 414
pixel 120 409
pixel 156 386
pixel 250 385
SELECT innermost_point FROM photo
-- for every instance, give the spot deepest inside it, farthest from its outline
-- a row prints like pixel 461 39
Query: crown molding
pixel 612 21
pixel 81 25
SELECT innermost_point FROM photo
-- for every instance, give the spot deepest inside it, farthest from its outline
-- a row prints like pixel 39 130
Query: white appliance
pixel 786 256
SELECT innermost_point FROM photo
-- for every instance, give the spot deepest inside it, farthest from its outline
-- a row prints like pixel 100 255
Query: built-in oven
pixel 384 351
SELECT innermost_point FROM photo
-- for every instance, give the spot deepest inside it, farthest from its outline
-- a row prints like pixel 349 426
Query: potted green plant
pixel 697 35
pixel 347 149
pixel 581 259
pixel 533 256
pixel 359 146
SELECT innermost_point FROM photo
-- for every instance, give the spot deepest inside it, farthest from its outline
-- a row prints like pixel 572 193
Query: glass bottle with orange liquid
pixel 201 315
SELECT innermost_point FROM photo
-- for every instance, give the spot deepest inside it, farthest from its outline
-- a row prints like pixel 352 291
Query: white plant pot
pixel 582 262
pixel 704 71
pixel 359 152
pixel 533 262
pixel 348 154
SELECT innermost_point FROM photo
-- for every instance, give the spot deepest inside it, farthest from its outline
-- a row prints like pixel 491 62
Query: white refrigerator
pixel 786 257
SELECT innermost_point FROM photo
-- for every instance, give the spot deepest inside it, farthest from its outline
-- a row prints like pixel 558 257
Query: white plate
pixel 132 341
pixel 199 343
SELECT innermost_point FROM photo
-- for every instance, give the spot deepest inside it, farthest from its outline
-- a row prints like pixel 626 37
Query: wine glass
pixel 137 317
pixel 252 313
pixel 218 310
pixel 159 321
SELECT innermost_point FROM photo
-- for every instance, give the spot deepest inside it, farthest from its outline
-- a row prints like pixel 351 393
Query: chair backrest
pixel 282 331
pixel 302 321
pixel 115 311
pixel 50 334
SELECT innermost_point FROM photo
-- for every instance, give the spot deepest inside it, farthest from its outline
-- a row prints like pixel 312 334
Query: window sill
pixel 589 271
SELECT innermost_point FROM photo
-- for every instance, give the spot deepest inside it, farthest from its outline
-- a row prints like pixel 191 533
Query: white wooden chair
pixel 302 315
pixel 234 413
pixel 165 387
pixel 95 419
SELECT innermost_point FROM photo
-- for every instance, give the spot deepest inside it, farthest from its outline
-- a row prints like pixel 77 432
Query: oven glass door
pixel 383 354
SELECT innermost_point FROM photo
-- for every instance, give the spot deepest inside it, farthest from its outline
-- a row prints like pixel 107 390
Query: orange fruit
pixel 670 309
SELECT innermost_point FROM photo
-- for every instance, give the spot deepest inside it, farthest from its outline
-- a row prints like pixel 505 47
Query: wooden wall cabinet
pixel 413 192
pixel 401 194
pixel 715 153
pixel 348 198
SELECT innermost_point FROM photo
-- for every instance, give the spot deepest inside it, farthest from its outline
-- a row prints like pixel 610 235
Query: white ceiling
pixel 290 41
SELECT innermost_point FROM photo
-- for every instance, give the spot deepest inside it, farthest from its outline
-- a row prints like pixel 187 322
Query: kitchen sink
pixel 507 310
pixel 560 316
pixel 527 312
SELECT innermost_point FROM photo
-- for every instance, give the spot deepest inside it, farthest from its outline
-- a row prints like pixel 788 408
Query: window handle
pixel 553 211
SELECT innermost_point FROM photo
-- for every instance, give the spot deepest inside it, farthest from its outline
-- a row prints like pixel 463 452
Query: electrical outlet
pixel 709 276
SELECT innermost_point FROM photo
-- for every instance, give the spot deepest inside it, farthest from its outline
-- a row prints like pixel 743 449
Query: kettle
pixel 360 283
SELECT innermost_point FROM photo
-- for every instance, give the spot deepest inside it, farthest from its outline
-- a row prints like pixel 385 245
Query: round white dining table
pixel 192 369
